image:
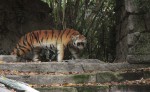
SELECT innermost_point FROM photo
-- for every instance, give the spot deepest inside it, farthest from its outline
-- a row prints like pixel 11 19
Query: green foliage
pixel 93 18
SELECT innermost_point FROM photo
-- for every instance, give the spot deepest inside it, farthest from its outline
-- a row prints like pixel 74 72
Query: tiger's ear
pixel 74 37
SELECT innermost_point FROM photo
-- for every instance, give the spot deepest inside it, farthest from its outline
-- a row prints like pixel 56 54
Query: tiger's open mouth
pixel 80 44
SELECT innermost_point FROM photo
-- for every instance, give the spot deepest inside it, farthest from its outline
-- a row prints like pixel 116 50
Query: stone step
pixel 73 71
pixel 98 77
pixel 120 88
pixel 79 66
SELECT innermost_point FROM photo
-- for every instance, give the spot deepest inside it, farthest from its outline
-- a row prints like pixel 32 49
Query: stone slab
pixel 65 67
pixel 98 77
pixel 4 90
pixel 133 38
pixel 58 89
pixel 8 58
pixel 52 79
pixel 131 6
pixel 122 88
pixel 136 23
pixel 140 46
pixel 139 59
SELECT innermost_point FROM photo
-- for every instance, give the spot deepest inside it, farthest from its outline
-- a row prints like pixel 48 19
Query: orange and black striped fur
pixel 55 40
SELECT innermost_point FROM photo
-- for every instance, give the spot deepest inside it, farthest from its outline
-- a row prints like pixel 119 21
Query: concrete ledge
pixel 122 88
pixel 71 66
pixel 138 59
pixel 8 58
pixel 100 77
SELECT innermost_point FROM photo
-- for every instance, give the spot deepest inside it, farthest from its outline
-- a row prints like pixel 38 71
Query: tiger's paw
pixel 36 60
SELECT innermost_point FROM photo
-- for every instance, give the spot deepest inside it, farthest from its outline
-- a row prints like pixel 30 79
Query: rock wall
pixel 18 17
pixel 133 32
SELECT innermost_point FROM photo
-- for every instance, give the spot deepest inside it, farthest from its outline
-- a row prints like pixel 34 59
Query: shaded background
pixel 101 21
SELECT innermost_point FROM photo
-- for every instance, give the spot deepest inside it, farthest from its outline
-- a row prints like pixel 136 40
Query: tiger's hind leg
pixel 51 55
pixel 36 55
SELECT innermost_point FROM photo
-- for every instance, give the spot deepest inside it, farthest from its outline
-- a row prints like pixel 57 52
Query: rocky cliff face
pixel 133 32
pixel 18 17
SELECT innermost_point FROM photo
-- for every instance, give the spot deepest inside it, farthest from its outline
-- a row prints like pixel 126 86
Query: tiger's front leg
pixel 60 52
pixel 75 53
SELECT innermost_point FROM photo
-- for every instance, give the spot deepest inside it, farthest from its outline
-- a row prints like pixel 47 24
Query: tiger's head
pixel 79 41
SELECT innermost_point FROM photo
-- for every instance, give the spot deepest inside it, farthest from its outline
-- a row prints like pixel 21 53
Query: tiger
pixel 54 40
